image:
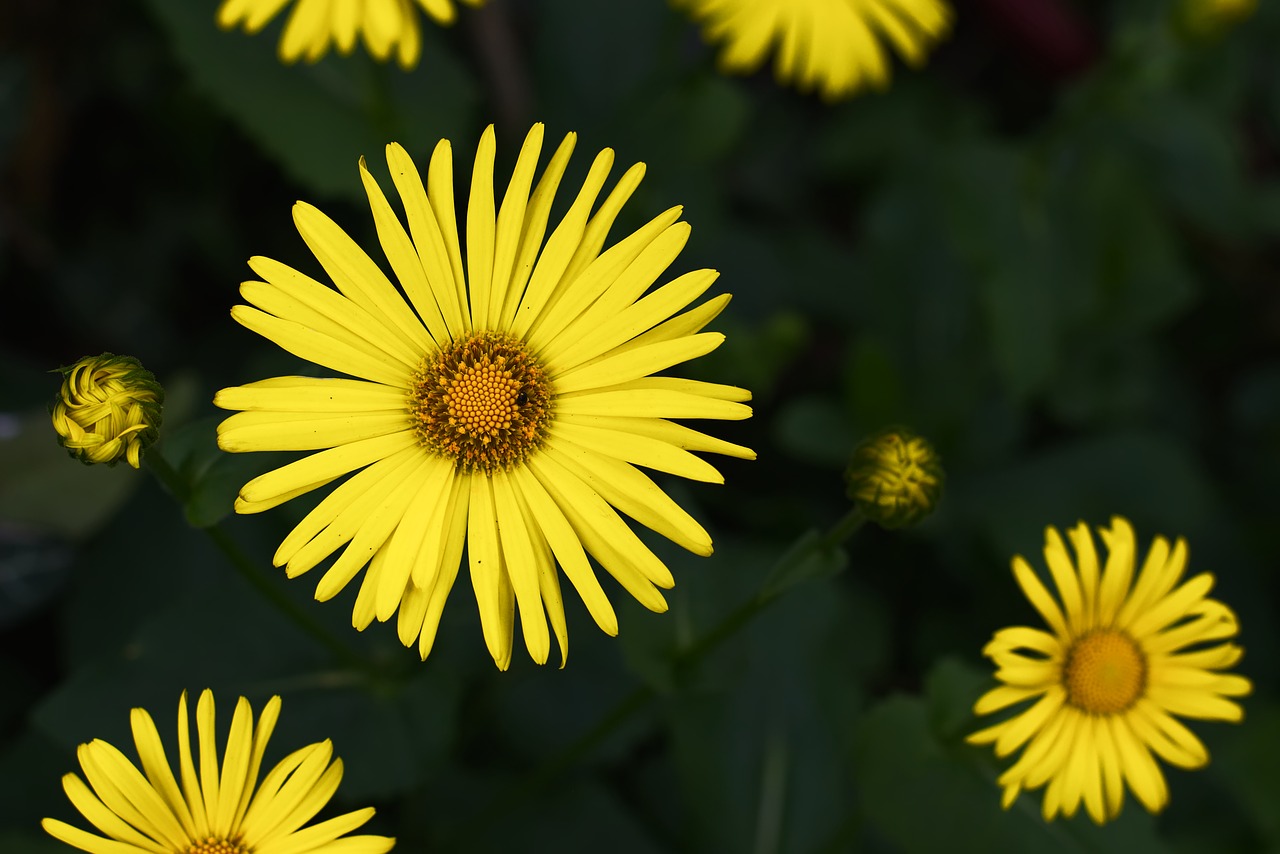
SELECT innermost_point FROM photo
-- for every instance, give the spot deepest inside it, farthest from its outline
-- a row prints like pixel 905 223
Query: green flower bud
pixel 109 407
pixel 895 477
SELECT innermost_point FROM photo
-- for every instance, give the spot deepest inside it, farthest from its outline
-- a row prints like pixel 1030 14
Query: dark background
pixel 1052 251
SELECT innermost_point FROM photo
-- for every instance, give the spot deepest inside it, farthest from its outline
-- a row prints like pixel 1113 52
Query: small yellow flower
pixel 1121 660
pixel 202 811
pixel 315 25
pixel 834 46
pixel 109 408
pixel 895 477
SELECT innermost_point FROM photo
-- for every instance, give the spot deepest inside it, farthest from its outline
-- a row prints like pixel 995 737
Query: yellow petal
pixel 521 566
pixel 510 226
pixel 602 533
pixel 567 547
pixel 638 449
pixel 311 394
pixel 428 238
pixel 480 231
pixel 651 404
pixel 632 320
pixel 534 230
pixel 492 591
pixel 628 489
pixel 549 271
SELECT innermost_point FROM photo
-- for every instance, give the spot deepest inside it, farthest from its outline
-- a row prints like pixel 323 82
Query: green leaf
pixel 922 795
pixel 212 477
pixel 45 489
pixel 1246 764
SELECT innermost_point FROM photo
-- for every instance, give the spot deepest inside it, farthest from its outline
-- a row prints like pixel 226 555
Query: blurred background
pixel 1053 251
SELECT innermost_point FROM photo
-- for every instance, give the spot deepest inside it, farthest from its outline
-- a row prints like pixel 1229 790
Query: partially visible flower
pixel 895 477
pixel 1212 18
pixel 502 401
pixel 1121 659
pixel 108 409
pixel 202 811
pixel 833 46
pixel 315 25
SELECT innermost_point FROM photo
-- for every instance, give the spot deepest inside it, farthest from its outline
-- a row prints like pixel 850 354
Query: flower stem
pixel 806 549
pixel 250 572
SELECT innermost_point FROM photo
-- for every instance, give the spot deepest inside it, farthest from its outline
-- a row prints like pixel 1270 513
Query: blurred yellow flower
pixel 505 411
pixel 1213 18
pixel 108 409
pixel 315 25
pixel 833 46
pixel 202 810
pixel 1121 659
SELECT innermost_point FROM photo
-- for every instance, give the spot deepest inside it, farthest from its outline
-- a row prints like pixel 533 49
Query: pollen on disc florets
pixel 1105 672
pixel 483 400
pixel 216 845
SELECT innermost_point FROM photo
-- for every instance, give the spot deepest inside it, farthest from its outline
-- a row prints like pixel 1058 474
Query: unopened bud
pixel 108 409
pixel 895 477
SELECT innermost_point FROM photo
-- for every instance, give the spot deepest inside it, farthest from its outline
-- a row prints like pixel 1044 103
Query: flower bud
pixel 895 477
pixel 109 407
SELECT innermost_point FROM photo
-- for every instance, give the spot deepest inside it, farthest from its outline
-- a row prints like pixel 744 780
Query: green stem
pixel 683 660
pixel 249 571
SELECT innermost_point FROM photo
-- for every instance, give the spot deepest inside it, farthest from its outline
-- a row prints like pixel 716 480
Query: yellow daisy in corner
pixel 314 25
pixel 505 411
pixel 202 810
pixel 1121 659
pixel 834 46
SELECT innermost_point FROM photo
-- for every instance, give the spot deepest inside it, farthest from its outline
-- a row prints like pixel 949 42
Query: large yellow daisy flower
pixel 204 811
pixel 505 411
pixel 1121 659
pixel 833 46
pixel 314 25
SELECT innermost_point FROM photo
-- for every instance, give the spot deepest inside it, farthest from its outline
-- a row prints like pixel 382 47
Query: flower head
pixel 504 407
pixel 109 408
pixel 1121 659
pixel 202 810
pixel 833 46
pixel 895 477
pixel 314 25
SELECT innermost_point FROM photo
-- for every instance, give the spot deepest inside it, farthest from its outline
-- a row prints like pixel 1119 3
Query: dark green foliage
pixel 1066 282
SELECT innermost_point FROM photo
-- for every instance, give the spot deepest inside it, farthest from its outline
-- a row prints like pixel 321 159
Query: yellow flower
pixel 204 812
pixel 314 25
pixel 109 408
pixel 833 46
pixel 1121 660
pixel 895 477
pixel 1208 19
pixel 504 412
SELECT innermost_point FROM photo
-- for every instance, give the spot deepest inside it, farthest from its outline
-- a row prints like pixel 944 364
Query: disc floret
pixel 483 400
pixel 1105 672
pixel 217 845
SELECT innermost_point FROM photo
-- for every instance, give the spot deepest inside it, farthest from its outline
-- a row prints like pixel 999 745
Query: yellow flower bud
pixel 895 477
pixel 108 408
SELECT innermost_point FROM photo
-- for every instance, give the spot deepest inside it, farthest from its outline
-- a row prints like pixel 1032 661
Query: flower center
pixel 215 845
pixel 482 400
pixel 1105 672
